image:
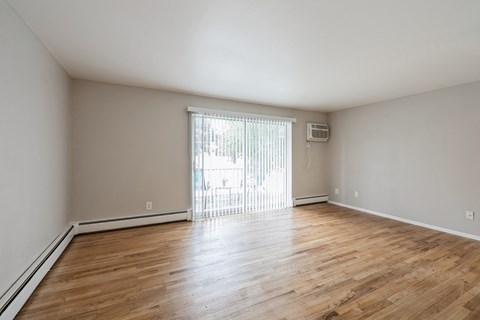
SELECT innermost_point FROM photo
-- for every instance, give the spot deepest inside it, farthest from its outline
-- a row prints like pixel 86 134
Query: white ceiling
pixel 310 54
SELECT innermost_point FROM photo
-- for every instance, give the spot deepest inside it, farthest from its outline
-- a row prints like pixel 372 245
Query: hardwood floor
pixel 315 262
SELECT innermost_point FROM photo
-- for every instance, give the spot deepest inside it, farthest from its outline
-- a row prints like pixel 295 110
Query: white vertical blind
pixel 240 164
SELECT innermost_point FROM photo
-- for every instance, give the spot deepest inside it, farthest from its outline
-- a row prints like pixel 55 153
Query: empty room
pixel 240 159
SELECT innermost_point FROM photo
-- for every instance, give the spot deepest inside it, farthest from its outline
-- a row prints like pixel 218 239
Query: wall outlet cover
pixel 149 205
pixel 470 215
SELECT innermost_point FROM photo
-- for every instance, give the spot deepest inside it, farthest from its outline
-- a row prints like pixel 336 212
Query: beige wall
pixel 34 147
pixel 131 145
pixel 417 157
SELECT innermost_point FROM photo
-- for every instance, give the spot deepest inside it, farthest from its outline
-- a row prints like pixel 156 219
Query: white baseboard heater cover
pixel 132 221
pixel 310 200
pixel 15 297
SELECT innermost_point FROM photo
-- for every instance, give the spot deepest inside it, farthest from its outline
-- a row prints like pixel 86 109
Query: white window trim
pixel 234 113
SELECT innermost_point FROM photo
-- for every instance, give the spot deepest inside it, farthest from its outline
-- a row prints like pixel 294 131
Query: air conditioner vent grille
pixel 317 132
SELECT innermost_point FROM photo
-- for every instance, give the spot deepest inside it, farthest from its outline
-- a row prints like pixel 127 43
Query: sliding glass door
pixel 240 164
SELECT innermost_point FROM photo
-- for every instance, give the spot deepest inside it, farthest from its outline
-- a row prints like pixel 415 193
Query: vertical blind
pixel 240 164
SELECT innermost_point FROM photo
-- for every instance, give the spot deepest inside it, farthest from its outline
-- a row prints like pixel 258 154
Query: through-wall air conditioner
pixel 317 132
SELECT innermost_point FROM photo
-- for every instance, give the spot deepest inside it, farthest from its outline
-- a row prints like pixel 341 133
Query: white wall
pixel 34 147
pixel 131 145
pixel 417 157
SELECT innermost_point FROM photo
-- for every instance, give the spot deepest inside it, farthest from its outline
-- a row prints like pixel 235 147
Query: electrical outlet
pixel 356 194
pixel 469 215
pixel 337 191
pixel 149 205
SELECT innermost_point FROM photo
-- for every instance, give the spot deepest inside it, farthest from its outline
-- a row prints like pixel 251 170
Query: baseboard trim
pixel 420 224
pixel 299 201
pixel 15 297
pixel 131 221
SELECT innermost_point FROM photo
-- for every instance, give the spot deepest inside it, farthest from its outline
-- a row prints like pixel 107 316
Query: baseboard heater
pixel 310 200
pixel 132 221
pixel 15 297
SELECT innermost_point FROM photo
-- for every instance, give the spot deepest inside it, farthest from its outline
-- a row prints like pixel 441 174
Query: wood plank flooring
pixel 314 262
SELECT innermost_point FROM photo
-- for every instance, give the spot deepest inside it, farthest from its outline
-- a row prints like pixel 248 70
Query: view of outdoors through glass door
pixel 240 164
